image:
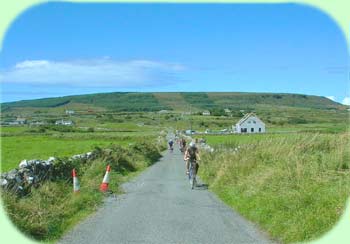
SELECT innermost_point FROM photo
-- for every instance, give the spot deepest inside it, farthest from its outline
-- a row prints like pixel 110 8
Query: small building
pixel 250 123
pixel 206 113
pixel 164 111
pixel 190 132
pixel 13 123
pixel 37 123
pixel 64 122
pixel 21 121
pixel 227 110
pixel 70 112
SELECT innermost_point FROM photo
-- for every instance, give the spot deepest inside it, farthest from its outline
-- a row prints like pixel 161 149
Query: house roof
pixel 247 116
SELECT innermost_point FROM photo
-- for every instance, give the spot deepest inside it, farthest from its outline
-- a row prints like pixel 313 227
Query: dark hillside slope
pixel 117 101
pixel 135 101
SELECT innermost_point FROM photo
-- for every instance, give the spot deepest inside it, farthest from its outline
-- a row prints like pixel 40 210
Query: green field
pixel 15 149
pixel 18 143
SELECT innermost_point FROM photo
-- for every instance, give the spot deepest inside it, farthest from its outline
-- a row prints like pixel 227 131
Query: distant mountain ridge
pixel 148 101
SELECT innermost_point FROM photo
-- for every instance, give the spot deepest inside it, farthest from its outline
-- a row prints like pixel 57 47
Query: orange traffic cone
pixel 76 186
pixel 104 185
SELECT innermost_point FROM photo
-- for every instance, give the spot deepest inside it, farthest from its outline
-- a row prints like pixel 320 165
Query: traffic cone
pixel 104 185
pixel 76 186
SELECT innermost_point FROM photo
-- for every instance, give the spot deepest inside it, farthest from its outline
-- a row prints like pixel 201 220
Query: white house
pixel 206 113
pixel 21 121
pixel 164 111
pixel 69 112
pixel 64 122
pixel 250 123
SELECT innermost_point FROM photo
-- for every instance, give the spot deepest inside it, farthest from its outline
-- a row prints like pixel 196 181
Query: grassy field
pixel 15 149
pixel 293 185
pixel 18 143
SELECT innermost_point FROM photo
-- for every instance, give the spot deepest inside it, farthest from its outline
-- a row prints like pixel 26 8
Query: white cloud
pixel 346 101
pixel 93 73
pixel 331 98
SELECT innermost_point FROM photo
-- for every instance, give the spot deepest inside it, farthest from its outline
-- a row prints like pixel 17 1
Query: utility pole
pixel 191 118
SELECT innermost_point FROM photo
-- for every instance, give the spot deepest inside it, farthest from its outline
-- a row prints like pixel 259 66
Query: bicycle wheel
pixel 192 175
pixel 194 180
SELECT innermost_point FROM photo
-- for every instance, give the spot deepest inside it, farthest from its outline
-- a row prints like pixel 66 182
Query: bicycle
pixel 192 174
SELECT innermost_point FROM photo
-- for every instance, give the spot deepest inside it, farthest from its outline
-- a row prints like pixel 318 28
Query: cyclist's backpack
pixel 192 153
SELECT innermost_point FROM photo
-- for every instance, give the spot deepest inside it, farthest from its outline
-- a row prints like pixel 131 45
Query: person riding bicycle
pixel 192 156
pixel 182 144
pixel 171 143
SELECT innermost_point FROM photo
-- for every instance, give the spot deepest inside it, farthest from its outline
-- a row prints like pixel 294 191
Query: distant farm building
pixel 64 122
pixel 250 123
pixel 21 121
pixel 70 112
pixel 163 111
pixel 206 113
pixel 37 123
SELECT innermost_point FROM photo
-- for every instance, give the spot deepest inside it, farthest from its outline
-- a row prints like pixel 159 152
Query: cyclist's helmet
pixel 192 144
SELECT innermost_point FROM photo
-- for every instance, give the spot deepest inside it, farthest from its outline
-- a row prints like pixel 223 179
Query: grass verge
pixel 294 186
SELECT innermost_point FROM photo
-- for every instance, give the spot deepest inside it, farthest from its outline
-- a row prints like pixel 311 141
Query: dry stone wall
pixel 31 173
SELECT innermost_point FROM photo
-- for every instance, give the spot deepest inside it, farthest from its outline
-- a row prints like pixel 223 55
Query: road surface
pixel 160 207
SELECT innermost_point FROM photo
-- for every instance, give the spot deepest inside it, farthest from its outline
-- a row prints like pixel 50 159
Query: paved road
pixel 160 207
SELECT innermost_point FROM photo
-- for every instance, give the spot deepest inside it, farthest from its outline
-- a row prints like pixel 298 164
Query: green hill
pixel 133 101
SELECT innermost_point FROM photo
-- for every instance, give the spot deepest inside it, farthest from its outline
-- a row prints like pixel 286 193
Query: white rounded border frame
pixel 338 10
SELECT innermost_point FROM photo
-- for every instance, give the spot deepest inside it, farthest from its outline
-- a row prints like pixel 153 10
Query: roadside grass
pixel 293 185
pixel 52 209
pixel 16 148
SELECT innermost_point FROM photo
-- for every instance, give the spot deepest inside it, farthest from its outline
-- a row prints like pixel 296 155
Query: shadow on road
pixel 202 187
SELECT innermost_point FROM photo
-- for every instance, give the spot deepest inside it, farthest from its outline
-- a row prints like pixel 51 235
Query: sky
pixel 58 49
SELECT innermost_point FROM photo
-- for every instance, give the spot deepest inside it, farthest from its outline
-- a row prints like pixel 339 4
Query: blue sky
pixel 58 49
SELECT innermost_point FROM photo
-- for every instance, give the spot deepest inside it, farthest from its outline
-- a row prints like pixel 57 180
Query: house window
pixel 251 129
pixel 243 130
pixel 254 121
pixel 259 129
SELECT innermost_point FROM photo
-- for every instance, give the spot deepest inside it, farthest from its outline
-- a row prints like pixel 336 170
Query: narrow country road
pixel 160 207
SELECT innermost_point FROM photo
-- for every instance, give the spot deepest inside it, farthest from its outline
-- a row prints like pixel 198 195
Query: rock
pixel 30 179
pixel 3 182
pixel 51 159
pixel 31 162
pixel 76 156
pixel 23 164
pixel 12 174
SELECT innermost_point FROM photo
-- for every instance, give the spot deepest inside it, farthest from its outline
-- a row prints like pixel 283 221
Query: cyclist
pixel 182 145
pixel 192 156
pixel 171 143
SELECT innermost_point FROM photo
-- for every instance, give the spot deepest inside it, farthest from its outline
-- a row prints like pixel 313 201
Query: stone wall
pixel 31 173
